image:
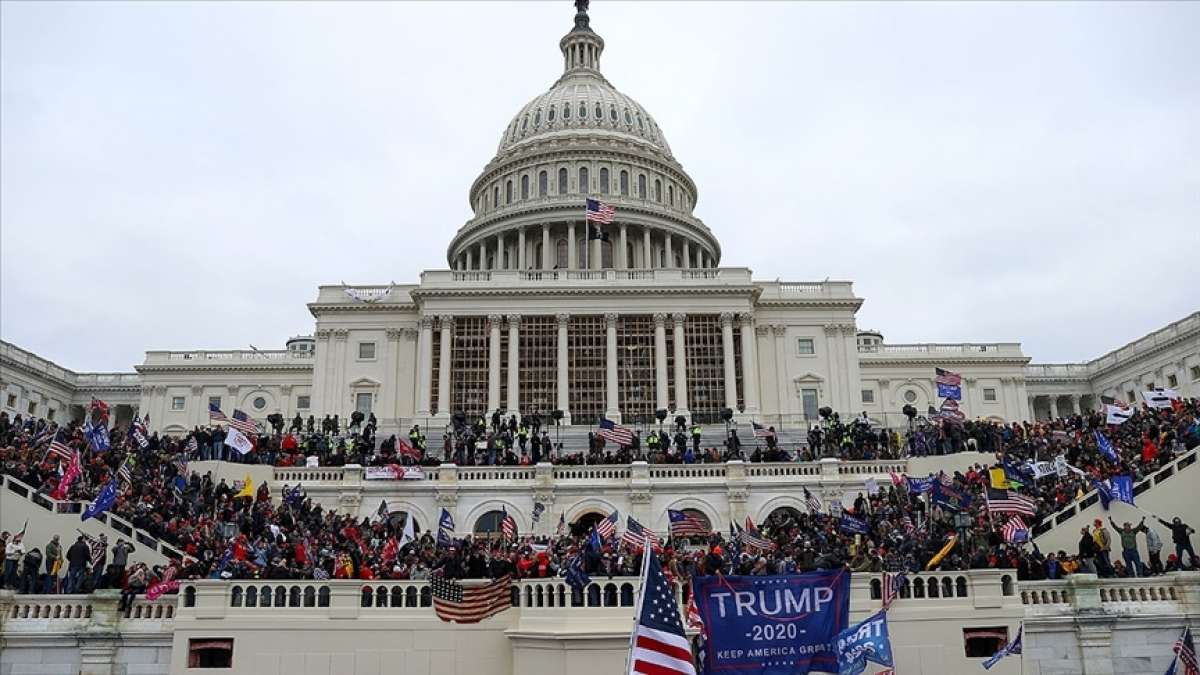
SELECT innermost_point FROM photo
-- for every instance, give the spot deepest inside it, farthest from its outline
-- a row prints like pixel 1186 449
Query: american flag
pixel 1015 531
pixel 686 525
pixel 948 378
pixel 508 526
pixel 244 424
pixel 125 473
pixel 892 583
pixel 615 432
pixel 658 645
pixel 694 620
pixel 898 479
pixel 635 536
pixel 1003 501
pixel 752 539
pixel 813 502
pixel 1185 649
pixel 192 446
pixel 453 602
pixel 60 449
pixel 215 414
pixel 761 431
pixel 608 527
pixel 599 212
pixel 562 524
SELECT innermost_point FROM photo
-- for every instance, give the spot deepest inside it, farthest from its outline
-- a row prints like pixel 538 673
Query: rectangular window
pixel 302 402
pixel 362 403
pixel 366 351
pixel 12 401
pixel 1172 381
pixel 868 396
pixel 214 401
pixel 31 408
pixel 50 414
pixel 210 653
pixel 808 397
pixel 1195 372
pixel 981 643
pixel 989 394
pixel 177 403
pixel 805 346
pixel 1130 397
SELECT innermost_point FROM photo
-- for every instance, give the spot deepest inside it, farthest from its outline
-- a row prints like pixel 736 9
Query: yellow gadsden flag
pixel 247 489
pixel 999 479
pixel 942 553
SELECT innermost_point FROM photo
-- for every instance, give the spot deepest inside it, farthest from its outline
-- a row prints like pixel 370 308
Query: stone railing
pixel 1172 594
pixel 200 357
pixel 118 524
pixel 666 276
pixel 1057 371
pixel 933 349
pixel 91 613
pixel 1076 507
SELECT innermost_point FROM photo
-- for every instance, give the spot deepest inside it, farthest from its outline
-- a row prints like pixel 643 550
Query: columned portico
pixel 425 357
pixel 681 397
pixel 612 410
pixel 727 356
pixel 514 368
pixel 660 362
pixel 564 400
pixel 493 362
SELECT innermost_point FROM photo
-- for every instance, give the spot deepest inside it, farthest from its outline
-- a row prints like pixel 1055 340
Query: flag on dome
pixel 599 212
pixel 658 645
pixel 616 433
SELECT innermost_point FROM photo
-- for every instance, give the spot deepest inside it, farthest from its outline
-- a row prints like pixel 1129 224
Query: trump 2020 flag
pixel 1106 447
pixel 866 641
pixel 1122 489
pixel 104 500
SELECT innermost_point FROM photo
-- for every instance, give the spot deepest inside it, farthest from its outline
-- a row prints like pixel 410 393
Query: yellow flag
pixel 999 479
pixel 942 553
pixel 247 489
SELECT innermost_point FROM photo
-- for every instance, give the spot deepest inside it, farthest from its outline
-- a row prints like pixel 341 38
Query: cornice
pixel 740 291
pixel 17 365
pixel 318 308
pixel 241 367
pixel 842 303
pixel 947 360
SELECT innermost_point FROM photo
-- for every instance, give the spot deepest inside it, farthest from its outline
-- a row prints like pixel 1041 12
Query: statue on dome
pixel 581 6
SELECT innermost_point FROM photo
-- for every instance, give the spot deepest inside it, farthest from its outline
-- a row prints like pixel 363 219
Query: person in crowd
pixel 1154 546
pixel 1129 546
pixel 120 558
pixel 54 559
pixel 31 576
pixel 1103 540
pixel 14 549
pixel 78 557
pixel 1181 536
pixel 135 585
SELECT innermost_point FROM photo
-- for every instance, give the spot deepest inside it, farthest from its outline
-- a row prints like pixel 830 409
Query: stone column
pixel 391 383
pixel 669 259
pixel 500 252
pixel 493 363
pixel 660 362
pixel 749 364
pixel 687 254
pixel 425 367
pixel 681 400
pixel 703 259
pixel 521 250
pixel 646 260
pixel 727 356
pixel 446 323
pixel 596 251
pixel 624 263
pixel 612 410
pixel 546 255
pixel 1054 407
pixel 1074 404
pixel 1032 409
pixel 514 369
pixel 564 400
pixel 482 255
pixel 572 251
pixel 470 259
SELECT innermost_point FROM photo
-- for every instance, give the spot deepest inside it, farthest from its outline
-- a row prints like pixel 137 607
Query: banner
pixel 781 624
pixel 157 590
pixel 1159 398
pixel 1041 469
pixel 1060 466
pixel 393 472
pixel 855 525
pixel 1115 414
pixel 949 391
pixel 238 441
pixel 920 485
pixel 999 478
pixel 950 497
pixel 866 641
pixel 1122 489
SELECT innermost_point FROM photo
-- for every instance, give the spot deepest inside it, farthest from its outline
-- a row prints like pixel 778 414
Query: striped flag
pixel 60 449
pixel 562 524
pixel 1015 531
pixel 1185 649
pixel 658 645
pixel 751 538
pixel 244 424
pixel 686 525
pixel 635 536
pixel 813 502
pixel 615 432
pixel 1004 501
pixel 761 431
pixel 215 414
pixel 192 445
pixel 892 583
pixel 947 378
pixel 599 212
pixel 608 527
pixel 453 602
pixel 125 473
pixel 508 527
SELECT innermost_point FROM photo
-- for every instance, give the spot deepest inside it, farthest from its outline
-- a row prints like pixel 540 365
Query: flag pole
pixel 637 612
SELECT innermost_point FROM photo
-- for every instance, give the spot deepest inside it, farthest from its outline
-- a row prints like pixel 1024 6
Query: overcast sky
pixel 178 176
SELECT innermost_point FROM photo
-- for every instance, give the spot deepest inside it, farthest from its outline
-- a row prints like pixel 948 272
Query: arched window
pixel 537 117
pixel 566 111
pixel 537 255
pixel 582 110
pixel 641 186
pixel 525 187
pixel 584 186
pixel 560 254
pixel 488 525
pixel 562 181
pixel 496 196
pixel 550 114
pixel 612 113
pixel 543 184
pixel 657 190
pixel 599 112
pixel 624 183
pixel 603 181
pixel 671 195
pixel 508 192
pixel 629 262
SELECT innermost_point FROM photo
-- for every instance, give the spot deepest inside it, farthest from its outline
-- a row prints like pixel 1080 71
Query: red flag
pixel 74 469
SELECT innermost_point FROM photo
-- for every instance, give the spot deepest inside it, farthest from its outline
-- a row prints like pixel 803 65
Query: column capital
pixel 762 329
pixel 197 389
pixel 394 334
pixel 446 321
pixel 781 330
pixel 514 320
pixel 340 334
pixel 849 329
pixel 660 318
pixel 883 381
pixel 563 320
pixel 746 318
pixel 831 329
pixel 323 334
pixel 494 320
pixel 679 318
pixel 426 322
pixel 610 319
pixel 727 319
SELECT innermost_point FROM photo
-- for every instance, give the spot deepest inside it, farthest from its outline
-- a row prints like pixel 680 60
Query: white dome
pixel 583 101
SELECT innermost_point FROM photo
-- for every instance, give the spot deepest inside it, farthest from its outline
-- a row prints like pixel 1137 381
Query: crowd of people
pixel 229 531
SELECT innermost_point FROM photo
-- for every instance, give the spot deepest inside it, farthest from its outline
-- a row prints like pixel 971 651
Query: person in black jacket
pixel 1087 552
pixel 78 557
pixel 1181 537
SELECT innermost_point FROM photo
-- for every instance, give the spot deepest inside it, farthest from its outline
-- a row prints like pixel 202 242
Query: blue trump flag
pixel 445 528
pixel 96 434
pixel 1122 489
pixel 577 577
pixel 855 525
pixel 920 485
pixel 862 642
pixel 950 497
pixel 949 391
pixel 594 540
pixel 1103 491
pixel 104 500
pixel 1106 447
pixel 780 625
